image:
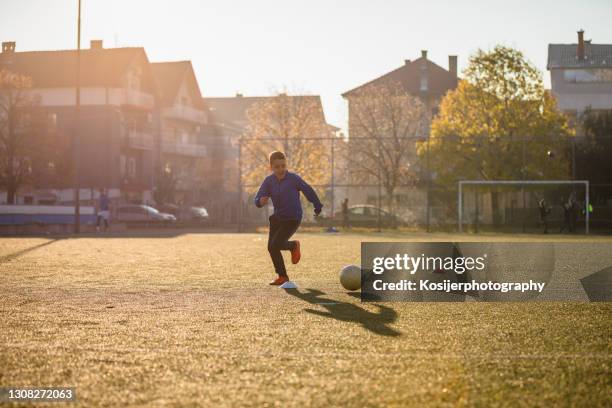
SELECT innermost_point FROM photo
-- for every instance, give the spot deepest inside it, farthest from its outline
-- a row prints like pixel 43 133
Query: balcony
pixel 186 183
pixel 184 149
pixel 139 140
pixel 185 113
pixel 131 98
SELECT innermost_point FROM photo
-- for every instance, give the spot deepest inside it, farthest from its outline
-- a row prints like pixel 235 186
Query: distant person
pixel 284 187
pixel 544 211
pixel 573 213
pixel 103 210
pixel 565 205
pixel 345 214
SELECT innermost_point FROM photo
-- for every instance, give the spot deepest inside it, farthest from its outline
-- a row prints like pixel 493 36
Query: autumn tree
pixel 498 124
pixel 385 123
pixel 291 124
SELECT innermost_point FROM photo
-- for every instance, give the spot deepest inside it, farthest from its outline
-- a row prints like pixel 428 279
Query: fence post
pixel 379 188
pixel 332 180
pixel 524 227
pixel 239 213
pixel 476 208
pixel 460 207
pixel 428 186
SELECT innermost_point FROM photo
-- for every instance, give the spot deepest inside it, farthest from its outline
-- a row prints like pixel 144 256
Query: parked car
pixel 187 214
pixel 142 214
pixel 364 216
pixel 194 215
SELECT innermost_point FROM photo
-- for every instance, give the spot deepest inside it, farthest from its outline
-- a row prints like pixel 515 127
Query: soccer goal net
pixel 524 205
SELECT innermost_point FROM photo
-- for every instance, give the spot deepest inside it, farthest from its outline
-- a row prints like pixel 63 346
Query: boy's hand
pixel 263 200
pixel 317 211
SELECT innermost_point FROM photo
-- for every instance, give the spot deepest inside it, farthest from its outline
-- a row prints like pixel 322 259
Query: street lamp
pixel 75 141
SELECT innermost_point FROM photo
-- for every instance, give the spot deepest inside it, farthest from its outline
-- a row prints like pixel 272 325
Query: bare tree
pixel 16 144
pixel 385 123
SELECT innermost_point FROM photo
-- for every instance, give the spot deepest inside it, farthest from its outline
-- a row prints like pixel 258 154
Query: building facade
pixel 183 127
pixel 114 144
pixel 581 75
pixel 137 120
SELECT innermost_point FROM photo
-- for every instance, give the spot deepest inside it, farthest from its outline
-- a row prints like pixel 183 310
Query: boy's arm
pixel 262 192
pixel 310 194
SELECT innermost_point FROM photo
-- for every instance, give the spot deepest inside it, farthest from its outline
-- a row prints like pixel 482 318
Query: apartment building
pixel 115 136
pixel 183 129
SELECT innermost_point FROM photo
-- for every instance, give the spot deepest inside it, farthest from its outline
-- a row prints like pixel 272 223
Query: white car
pixel 142 214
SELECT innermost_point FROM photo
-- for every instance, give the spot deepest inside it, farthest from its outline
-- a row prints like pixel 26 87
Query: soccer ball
pixel 350 277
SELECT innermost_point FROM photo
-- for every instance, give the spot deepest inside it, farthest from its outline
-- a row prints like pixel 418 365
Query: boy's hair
pixel 276 155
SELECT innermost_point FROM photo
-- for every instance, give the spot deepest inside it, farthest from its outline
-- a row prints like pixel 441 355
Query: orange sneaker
pixel 279 281
pixel 295 253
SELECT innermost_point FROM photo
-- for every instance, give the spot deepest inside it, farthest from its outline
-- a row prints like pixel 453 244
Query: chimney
pixel 96 45
pixel 406 61
pixel 238 95
pixel 580 50
pixel 452 65
pixel 8 47
pixel 424 54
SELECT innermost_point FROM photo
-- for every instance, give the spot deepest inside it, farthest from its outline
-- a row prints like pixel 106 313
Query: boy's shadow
pixel 348 312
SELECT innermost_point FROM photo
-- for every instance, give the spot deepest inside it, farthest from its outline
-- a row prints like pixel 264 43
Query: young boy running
pixel 284 188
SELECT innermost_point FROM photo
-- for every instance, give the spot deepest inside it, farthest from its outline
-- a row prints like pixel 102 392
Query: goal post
pixel 520 183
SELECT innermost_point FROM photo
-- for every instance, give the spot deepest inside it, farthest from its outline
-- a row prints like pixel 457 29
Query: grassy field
pixel 189 320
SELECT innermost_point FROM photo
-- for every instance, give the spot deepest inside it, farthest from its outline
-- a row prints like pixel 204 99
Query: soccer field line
pixel 429 354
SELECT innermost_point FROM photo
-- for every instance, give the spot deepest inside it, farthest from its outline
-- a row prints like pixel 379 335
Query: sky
pixel 321 47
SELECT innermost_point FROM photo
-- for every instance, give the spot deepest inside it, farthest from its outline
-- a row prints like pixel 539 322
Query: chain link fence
pixel 420 191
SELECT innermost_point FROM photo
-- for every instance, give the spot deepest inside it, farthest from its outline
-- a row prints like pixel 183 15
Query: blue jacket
pixel 285 195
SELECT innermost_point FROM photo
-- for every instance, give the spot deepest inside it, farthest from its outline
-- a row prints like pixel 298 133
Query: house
pixel 427 81
pixel 421 78
pixel 115 136
pixel 581 75
pixel 183 129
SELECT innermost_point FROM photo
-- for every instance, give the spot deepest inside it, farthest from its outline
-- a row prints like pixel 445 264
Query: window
pixel 131 167
pixel 357 210
pixel 424 84
pixel 133 78
pixel 52 122
pixel 587 75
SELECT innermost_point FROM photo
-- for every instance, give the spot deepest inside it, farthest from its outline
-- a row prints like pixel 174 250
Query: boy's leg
pixel 286 229
pixel 278 240
pixel 275 254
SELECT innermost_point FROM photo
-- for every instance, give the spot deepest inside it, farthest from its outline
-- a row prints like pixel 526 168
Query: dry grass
pixel 190 321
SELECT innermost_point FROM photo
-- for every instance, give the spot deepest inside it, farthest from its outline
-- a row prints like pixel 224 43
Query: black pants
pixel 278 240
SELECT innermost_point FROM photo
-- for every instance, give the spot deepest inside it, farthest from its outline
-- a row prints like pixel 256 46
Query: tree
pixel 294 122
pixel 498 124
pixel 16 138
pixel 385 123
